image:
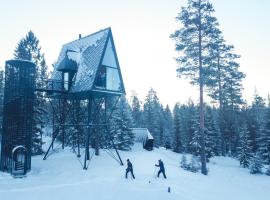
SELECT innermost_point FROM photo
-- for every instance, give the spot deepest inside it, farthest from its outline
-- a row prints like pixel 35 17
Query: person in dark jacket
pixel 129 169
pixel 161 168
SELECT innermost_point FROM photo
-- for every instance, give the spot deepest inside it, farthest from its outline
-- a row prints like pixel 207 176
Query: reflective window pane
pixel 113 79
pixel 101 77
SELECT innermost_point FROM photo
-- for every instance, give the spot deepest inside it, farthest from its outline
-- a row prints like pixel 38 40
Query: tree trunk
pixel 220 99
pixel 201 79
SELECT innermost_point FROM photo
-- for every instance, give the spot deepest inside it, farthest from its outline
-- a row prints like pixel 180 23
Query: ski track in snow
pixel 61 177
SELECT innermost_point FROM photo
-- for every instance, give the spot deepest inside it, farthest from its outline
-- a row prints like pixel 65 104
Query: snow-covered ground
pixel 61 177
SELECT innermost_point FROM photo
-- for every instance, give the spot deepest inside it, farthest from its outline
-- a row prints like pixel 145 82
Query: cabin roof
pixel 84 56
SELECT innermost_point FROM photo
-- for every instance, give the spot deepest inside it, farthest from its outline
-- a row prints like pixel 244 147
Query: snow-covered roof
pixel 141 134
pixel 87 53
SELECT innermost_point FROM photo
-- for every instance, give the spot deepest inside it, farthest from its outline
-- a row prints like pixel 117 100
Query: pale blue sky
pixel 141 30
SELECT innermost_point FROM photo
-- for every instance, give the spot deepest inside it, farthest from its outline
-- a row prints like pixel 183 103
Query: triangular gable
pixel 108 76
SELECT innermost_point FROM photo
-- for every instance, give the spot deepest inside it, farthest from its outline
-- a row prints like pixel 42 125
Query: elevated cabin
pixel 87 81
pixel 88 66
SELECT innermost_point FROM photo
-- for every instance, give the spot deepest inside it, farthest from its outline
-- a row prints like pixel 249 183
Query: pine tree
pixel 161 123
pixel 244 151
pixel 29 48
pixel 2 82
pixel 225 87
pixel 194 165
pixel 211 134
pixel 136 110
pixel 255 123
pixel 151 112
pixel 168 127
pixel 183 162
pixel 123 135
pixel 195 143
pixel 177 144
pixel 264 139
pixel 192 40
pixel 187 116
pixel 256 164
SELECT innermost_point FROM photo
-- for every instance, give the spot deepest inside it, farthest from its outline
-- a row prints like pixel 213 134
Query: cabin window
pixel 101 77
pixel 66 81
pixel 113 79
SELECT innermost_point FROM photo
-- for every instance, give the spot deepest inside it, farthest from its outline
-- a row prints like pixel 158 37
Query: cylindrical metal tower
pixel 17 117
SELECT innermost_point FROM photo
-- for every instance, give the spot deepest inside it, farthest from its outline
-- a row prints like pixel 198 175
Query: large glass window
pixel 113 79
pixel 109 56
pixel 108 75
pixel 101 77
pixel 66 80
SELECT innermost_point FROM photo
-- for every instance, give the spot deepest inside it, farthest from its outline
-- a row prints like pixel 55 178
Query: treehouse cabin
pixel 87 81
pixel 89 66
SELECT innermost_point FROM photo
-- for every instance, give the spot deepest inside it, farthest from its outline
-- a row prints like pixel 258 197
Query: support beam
pixel 51 145
pixel 87 143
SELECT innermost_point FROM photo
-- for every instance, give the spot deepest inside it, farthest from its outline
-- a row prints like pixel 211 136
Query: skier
pixel 161 168
pixel 129 169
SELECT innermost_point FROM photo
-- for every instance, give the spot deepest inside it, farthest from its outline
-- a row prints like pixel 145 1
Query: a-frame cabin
pixel 87 70
pixel 90 65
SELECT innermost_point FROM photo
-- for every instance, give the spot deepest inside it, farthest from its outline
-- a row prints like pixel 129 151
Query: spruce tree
pixel 2 82
pixel 29 48
pixel 194 165
pixel 211 134
pixel 256 121
pixel 192 41
pixel 244 151
pixel 151 112
pixel 136 110
pixel 177 144
pixel 187 116
pixel 264 139
pixel 195 143
pixel 183 162
pixel 168 127
pixel 122 124
pixel 256 164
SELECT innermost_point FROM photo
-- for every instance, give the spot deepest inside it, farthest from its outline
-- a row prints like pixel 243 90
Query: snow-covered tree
pixel 264 139
pixel 194 165
pixel 151 114
pixel 256 121
pixel 211 134
pixel 29 48
pixel 168 127
pixel 121 126
pixel 195 143
pixel 256 164
pixel 136 110
pixel 177 144
pixel 244 151
pixel 183 162
pixel 2 81
pixel 187 113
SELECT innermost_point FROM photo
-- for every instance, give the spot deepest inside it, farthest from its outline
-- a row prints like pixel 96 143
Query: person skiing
pixel 161 168
pixel 129 169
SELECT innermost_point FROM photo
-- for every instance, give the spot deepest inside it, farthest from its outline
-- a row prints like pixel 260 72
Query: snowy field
pixel 61 177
